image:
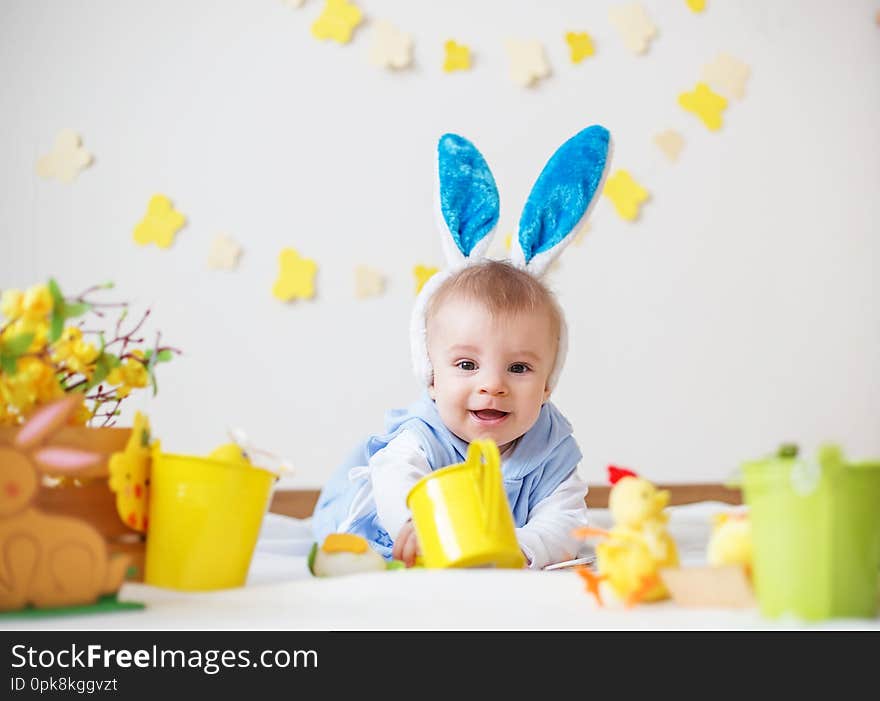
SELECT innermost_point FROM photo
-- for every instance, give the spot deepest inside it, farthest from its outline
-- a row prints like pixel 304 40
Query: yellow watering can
pixel 461 515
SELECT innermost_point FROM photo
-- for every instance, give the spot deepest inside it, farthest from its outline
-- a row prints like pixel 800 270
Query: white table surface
pixel 281 594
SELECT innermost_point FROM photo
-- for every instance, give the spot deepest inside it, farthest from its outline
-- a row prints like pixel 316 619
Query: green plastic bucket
pixel 816 535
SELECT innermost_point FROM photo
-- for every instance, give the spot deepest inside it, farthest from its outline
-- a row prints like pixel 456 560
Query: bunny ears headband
pixel 467 207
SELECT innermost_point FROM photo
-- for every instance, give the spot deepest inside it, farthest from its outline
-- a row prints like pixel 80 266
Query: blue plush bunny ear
pixel 467 200
pixel 562 197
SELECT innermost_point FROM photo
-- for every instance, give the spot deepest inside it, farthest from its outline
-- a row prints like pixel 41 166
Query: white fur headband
pixel 467 206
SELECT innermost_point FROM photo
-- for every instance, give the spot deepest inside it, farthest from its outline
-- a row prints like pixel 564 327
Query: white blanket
pixel 281 594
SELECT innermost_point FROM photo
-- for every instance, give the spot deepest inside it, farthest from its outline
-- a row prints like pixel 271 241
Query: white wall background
pixel 739 312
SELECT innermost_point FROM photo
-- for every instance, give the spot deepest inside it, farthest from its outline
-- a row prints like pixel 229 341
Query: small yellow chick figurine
pixel 637 546
pixel 344 553
pixel 231 453
pixel 731 541
pixel 130 476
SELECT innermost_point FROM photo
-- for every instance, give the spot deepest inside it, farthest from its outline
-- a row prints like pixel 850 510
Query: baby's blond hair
pixel 502 288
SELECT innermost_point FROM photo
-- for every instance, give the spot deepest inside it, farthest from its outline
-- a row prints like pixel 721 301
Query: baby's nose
pixel 493 384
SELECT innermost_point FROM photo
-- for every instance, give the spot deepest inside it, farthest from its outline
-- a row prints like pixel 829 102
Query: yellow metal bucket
pixel 205 516
pixel 461 515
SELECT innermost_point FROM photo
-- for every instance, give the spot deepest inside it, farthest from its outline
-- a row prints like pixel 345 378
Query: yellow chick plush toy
pixel 731 541
pixel 638 545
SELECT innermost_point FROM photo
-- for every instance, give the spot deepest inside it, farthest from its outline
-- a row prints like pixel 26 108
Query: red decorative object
pixel 615 473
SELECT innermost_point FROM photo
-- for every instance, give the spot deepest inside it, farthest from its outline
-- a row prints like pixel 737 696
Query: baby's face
pixel 490 373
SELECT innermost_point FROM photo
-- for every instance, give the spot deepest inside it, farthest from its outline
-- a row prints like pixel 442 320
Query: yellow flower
pixel 131 373
pixel 79 356
pixel 65 346
pixel 11 303
pixel 137 376
pixel 29 370
pixel 86 352
pixel 39 329
pixel 37 302
pixel 18 392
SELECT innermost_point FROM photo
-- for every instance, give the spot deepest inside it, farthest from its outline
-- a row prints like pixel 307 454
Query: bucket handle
pixel 485 454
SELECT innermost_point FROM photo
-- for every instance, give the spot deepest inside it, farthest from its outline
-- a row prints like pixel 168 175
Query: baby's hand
pixel 406 545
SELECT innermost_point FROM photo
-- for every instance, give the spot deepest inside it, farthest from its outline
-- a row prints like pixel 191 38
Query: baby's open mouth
pixel 489 415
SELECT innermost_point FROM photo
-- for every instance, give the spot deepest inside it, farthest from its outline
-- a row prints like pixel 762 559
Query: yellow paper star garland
pixel 634 26
pixel 337 21
pixel 391 48
pixel 423 273
pixel 66 159
pixel 457 57
pixel 528 64
pixel 670 142
pixel 728 75
pixel 625 194
pixel 580 46
pixel 704 103
pixel 160 223
pixel 224 253
pixel 368 282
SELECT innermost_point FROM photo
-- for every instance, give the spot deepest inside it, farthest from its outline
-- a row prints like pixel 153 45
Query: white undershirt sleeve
pixel 546 537
pixel 393 472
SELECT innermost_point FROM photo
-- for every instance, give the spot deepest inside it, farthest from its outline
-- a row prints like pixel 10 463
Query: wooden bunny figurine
pixel 45 560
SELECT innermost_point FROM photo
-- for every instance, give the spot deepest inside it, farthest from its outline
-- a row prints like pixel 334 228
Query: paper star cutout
pixel 625 194
pixel 704 103
pixel 458 57
pixel 670 142
pixel 160 223
pixel 66 159
pixel 224 253
pixel 296 276
pixel 508 242
pixel 391 48
pixel 423 273
pixel 728 75
pixel 528 64
pixel 580 46
pixel 696 5
pixel 634 26
pixel 368 282
pixel 337 21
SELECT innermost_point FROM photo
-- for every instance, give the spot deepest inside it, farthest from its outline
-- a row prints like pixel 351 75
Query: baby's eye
pixel 519 368
pixel 466 365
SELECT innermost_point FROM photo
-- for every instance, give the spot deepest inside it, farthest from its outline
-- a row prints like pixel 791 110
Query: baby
pixel 492 338
pixel 488 341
